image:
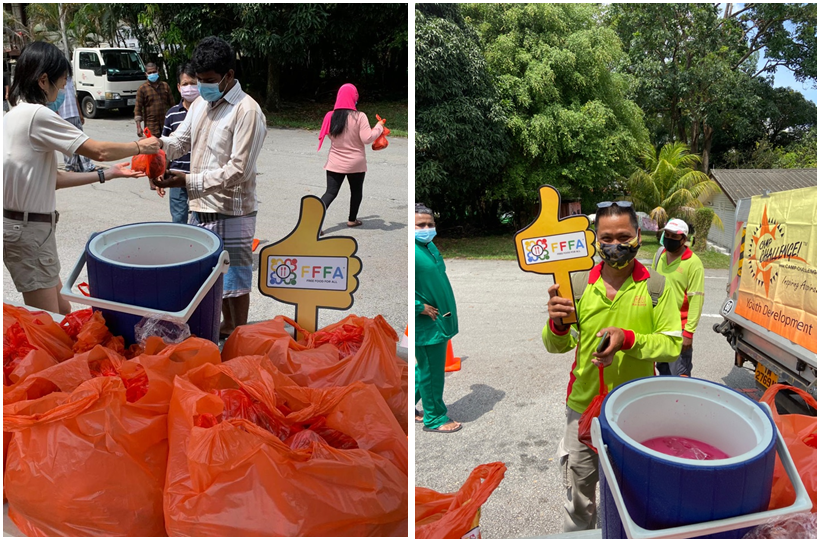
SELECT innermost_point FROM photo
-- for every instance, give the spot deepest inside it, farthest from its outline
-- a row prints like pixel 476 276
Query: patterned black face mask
pixel 618 255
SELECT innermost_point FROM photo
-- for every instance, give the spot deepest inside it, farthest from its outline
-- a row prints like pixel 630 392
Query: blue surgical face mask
pixel 211 91
pixel 61 97
pixel 425 235
pixel 154 77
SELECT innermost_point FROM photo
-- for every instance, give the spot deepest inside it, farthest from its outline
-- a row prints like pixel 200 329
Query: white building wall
pixel 724 208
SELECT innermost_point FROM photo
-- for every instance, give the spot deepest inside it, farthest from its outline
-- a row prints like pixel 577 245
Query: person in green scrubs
pixel 435 323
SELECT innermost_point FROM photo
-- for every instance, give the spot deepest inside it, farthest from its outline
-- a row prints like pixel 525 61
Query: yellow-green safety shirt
pixel 687 276
pixel 652 334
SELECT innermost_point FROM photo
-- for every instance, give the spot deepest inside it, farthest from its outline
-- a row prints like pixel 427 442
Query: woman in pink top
pixel 350 133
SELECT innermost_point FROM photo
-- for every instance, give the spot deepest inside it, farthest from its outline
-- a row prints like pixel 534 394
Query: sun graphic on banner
pixel 765 235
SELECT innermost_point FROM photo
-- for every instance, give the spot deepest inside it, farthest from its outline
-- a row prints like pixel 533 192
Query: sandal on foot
pixel 418 417
pixel 441 430
pixel 355 223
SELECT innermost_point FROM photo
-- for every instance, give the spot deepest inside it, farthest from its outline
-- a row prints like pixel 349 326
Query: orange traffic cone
pixel 452 363
pixel 404 342
pixel 254 243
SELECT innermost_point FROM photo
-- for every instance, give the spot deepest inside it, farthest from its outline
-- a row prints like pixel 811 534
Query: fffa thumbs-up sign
pixel 559 247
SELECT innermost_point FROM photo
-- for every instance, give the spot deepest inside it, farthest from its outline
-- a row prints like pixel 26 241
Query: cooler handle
pixel 802 502
pixel 181 316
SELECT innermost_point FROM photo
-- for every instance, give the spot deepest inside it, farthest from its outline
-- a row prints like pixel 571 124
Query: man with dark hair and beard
pixel 224 133
pixel 620 298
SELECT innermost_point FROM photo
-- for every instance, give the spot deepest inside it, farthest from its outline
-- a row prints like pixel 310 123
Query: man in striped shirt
pixel 224 131
pixel 187 86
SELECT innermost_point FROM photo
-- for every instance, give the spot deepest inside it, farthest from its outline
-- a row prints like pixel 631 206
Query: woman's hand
pixel 122 170
pixel 149 146
pixel 430 311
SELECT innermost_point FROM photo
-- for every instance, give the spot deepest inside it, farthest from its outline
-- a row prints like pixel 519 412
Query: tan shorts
pixel 30 254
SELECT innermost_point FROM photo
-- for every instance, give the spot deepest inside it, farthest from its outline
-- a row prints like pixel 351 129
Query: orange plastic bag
pixel 24 330
pixel 452 516
pixel 584 425
pixel 235 478
pixel 381 142
pixel 800 434
pixel 318 361
pixel 91 462
pixel 153 165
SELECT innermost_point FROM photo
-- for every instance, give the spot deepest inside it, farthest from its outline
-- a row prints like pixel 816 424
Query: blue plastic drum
pixel 156 265
pixel 662 491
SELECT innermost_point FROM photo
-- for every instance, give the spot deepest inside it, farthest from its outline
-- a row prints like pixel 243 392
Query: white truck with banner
pixel 770 315
pixel 106 78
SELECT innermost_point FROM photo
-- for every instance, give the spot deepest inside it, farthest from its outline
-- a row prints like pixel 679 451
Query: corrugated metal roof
pixel 742 183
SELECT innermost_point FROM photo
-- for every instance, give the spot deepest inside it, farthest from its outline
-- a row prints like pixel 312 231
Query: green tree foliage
pixel 697 67
pixel 571 124
pixel 668 186
pixel 704 217
pixel 460 135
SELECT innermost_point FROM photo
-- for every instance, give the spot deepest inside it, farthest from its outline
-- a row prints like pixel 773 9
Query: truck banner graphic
pixel 778 277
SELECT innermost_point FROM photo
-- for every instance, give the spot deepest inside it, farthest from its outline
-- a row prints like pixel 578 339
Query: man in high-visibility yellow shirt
pixel 683 271
pixel 623 299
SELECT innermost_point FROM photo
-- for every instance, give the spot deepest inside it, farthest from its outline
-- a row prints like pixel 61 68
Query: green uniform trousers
pixel 429 381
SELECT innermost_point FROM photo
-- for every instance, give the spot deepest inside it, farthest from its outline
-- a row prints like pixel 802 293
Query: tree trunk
pixel 708 132
pixel 273 85
pixel 61 13
pixel 693 145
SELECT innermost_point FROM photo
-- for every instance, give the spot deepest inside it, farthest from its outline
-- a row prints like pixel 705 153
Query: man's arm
pixel 696 294
pixel 246 145
pixel 665 343
pixel 178 143
pixel 139 110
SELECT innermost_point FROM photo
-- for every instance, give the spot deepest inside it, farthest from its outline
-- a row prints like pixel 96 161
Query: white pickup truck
pixel 106 78
pixel 770 315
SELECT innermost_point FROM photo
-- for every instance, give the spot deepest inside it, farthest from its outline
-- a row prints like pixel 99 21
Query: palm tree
pixel 668 185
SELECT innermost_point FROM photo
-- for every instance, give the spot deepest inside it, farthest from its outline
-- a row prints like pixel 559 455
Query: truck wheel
pixel 89 107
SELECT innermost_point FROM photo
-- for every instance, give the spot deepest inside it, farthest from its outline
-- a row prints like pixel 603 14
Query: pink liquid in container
pixel 682 447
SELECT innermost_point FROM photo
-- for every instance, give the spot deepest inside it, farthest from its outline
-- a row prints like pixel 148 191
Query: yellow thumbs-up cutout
pixel 311 273
pixel 559 247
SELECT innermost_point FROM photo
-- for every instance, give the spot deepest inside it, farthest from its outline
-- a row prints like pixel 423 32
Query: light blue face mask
pixel 154 77
pixel 425 235
pixel 61 97
pixel 211 91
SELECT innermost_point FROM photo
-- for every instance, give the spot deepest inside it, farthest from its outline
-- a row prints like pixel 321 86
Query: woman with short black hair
pixel 32 133
pixel 435 323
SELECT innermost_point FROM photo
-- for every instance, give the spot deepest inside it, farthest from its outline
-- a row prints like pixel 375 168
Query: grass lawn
pixel 502 247
pixel 309 115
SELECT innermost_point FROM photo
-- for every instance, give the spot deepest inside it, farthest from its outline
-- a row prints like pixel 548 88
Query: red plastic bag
pixel 584 425
pixel 153 165
pixel 307 488
pixel 318 361
pixel 72 322
pixel 452 516
pixel 381 142
pixel 800 434
pixel 90 462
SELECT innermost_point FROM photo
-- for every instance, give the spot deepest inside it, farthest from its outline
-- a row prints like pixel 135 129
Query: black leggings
pixel 334 180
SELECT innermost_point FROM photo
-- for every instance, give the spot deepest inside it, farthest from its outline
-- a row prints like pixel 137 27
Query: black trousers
pixel 334 181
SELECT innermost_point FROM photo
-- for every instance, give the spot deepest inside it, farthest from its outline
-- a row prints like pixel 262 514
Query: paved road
pixel 289 168
pixel 510 394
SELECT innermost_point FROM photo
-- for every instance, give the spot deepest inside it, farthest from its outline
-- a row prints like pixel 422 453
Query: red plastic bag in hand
pixel 452 516
pixel 381 142
pixel 800 434
pixel 153 165
pixel 584 426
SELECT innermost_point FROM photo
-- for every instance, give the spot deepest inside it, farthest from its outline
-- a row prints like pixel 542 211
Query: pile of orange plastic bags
pixel 104 440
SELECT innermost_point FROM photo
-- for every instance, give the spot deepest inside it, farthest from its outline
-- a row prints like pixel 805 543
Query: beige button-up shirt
pixel 225 139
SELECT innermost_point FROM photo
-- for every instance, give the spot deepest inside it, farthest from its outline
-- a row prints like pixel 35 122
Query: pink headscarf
pixel 346 99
